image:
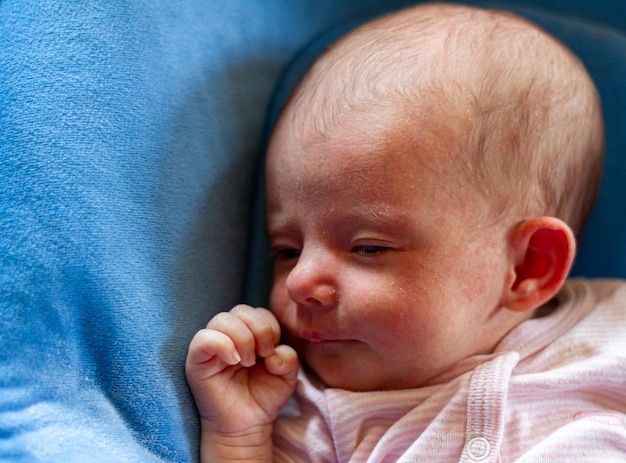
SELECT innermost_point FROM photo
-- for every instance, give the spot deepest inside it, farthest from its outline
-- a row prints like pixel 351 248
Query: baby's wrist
pixel 250 445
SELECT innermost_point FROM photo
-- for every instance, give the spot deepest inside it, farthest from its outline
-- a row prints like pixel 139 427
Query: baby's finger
pixel 263 326
pixel 207 344
pixel 283 362
pixel 231 325
pixel 271 319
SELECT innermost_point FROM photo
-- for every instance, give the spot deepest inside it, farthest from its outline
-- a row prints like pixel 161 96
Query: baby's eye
pixel 286 253
pixel 368 250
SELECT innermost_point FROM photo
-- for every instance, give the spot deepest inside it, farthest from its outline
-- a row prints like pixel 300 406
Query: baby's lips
pixel 316 337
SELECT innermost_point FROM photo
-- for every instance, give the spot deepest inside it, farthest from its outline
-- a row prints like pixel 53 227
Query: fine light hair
pixel 524 113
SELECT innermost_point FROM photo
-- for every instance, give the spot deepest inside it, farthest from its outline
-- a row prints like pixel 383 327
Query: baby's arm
pixel 237 396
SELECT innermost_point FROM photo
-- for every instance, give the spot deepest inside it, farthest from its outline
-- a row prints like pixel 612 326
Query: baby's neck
pixel 546 309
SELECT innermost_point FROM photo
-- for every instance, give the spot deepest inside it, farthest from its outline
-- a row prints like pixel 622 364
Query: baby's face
pixel 383 277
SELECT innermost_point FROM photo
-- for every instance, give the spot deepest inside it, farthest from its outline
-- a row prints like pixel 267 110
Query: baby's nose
pixel 311 282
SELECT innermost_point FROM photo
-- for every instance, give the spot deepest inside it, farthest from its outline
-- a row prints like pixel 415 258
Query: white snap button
pixel 478 449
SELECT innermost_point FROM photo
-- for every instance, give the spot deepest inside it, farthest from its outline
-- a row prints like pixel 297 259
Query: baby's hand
pixel 234 390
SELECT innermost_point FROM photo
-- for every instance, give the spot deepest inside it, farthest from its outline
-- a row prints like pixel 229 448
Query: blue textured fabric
pixel 130 140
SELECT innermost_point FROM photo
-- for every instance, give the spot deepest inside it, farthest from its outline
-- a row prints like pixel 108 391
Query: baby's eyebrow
pixel 375 217
pixel 275 225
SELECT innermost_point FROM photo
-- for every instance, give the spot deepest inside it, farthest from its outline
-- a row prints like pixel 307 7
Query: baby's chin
pixel 356 383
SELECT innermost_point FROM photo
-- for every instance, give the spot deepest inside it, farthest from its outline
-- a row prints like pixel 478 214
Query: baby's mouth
pixel 316 337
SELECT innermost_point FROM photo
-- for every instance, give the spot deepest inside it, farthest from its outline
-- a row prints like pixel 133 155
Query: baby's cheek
pixel 279 297
pixel 281 305
pixel 391 313
pixel 479 285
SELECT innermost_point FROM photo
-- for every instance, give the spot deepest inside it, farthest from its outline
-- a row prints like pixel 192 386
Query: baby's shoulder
pixel 600 308
pixel 595 295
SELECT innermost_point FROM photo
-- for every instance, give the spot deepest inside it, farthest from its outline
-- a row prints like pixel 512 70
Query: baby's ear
pixel 542 253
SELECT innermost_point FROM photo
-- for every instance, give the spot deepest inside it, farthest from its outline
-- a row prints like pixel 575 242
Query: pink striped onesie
pixel 554 390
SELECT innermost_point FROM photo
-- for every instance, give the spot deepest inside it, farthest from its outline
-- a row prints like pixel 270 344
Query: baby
pixel 426 184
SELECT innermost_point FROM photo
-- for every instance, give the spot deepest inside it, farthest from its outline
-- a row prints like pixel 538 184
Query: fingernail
pixel 248 362
pixel 235 358
pixel 278 361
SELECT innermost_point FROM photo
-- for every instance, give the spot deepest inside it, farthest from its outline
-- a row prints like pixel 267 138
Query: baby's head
pixel 423 183
pixel 518 114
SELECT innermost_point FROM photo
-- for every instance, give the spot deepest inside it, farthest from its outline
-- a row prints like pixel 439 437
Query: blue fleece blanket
pixel 130 140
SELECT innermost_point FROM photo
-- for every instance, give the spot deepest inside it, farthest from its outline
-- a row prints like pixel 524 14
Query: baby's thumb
pixel 283 362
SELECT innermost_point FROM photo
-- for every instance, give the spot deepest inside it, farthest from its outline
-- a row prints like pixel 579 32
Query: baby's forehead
pixel 427 124
pixel 365 140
